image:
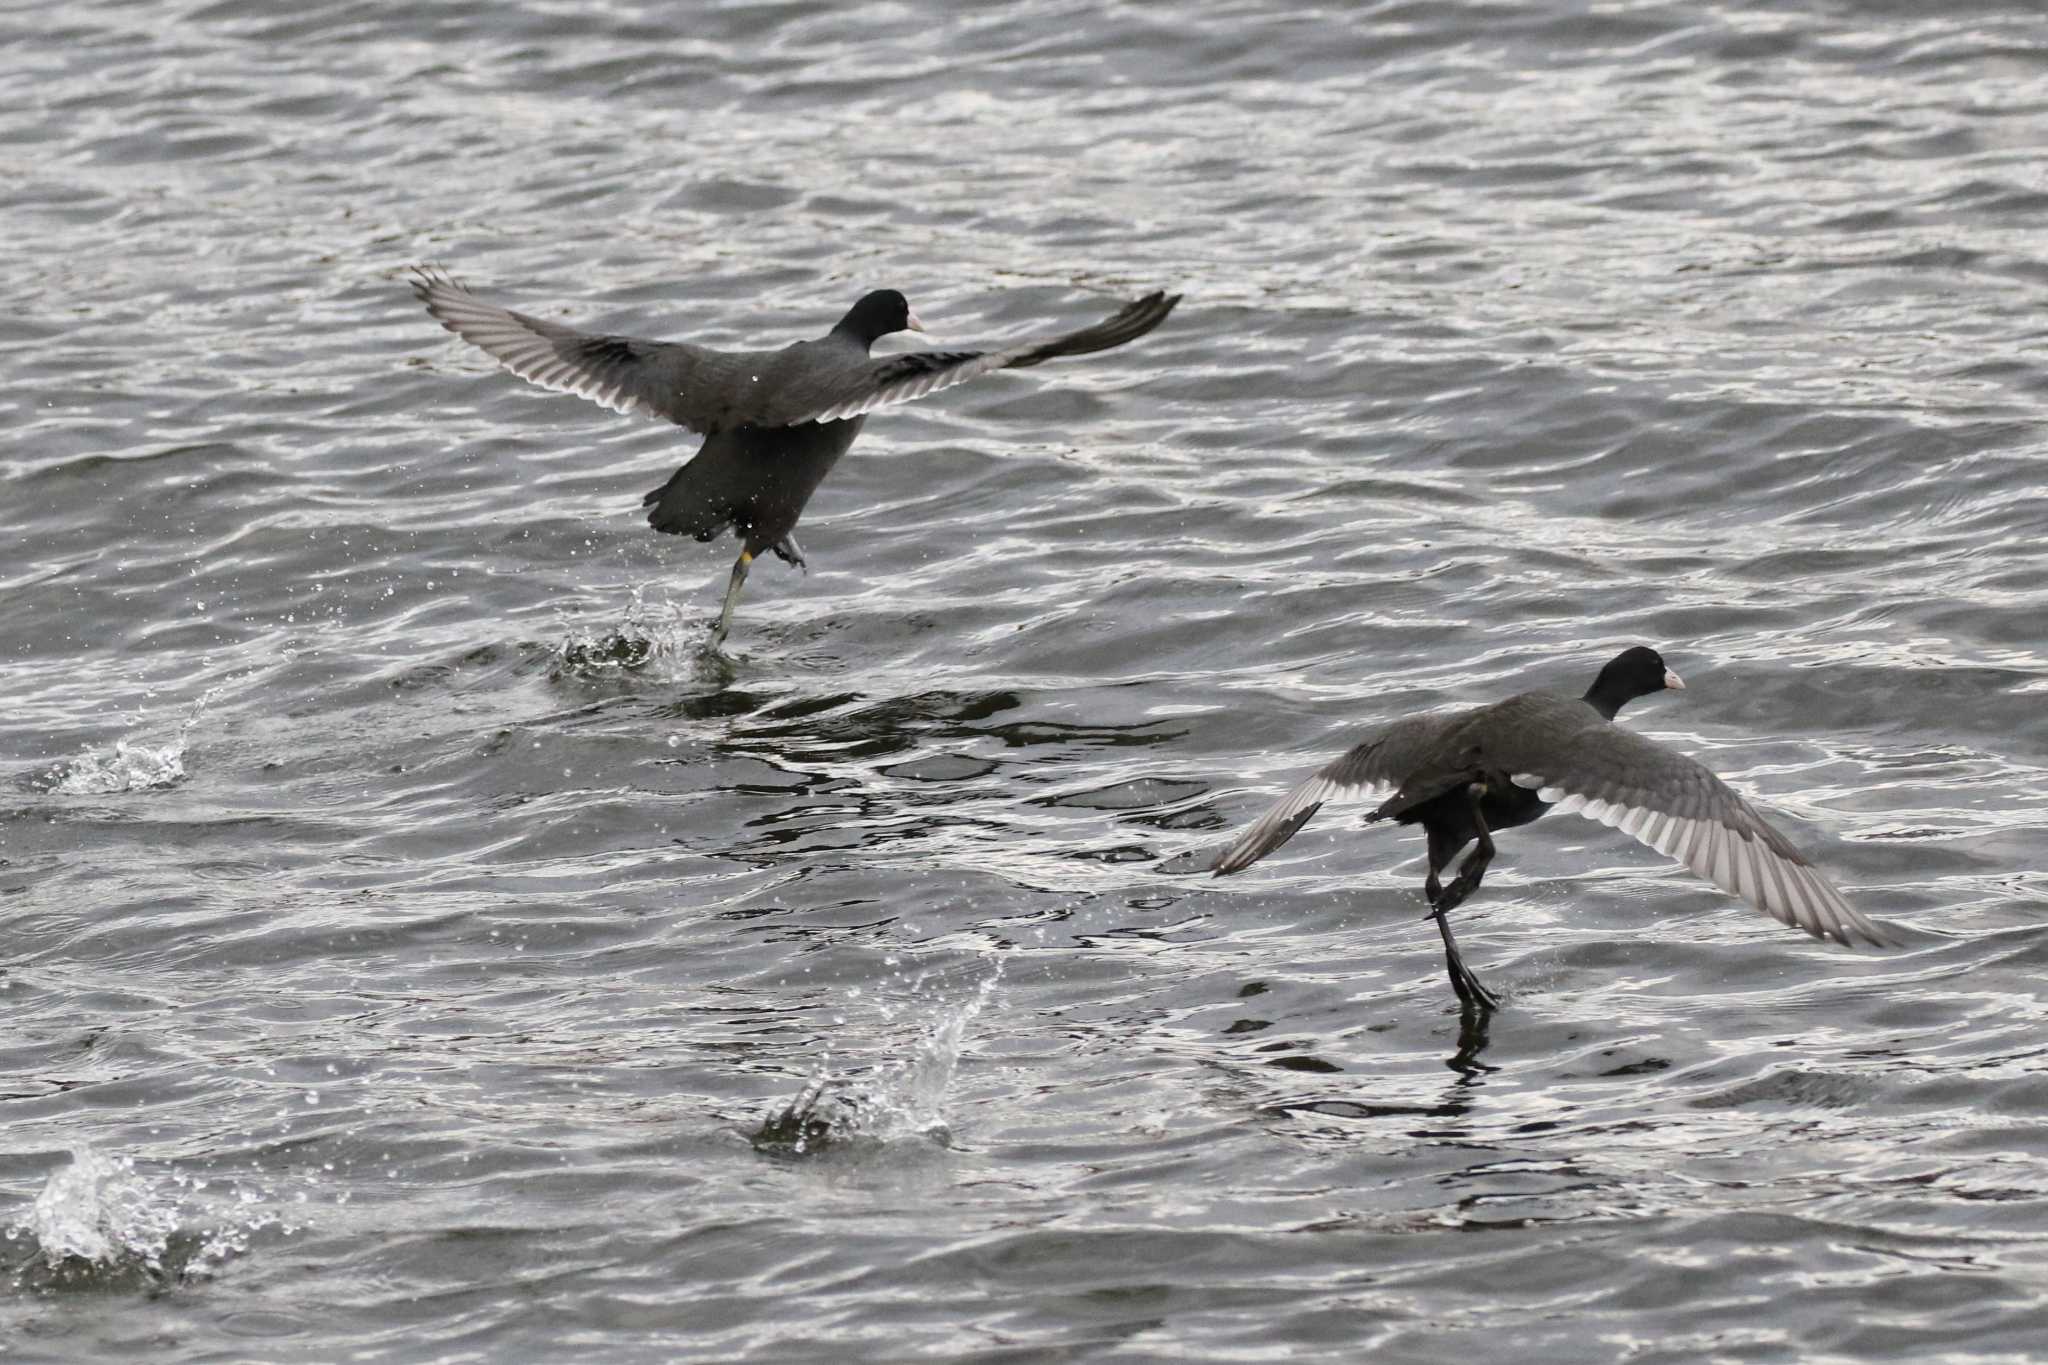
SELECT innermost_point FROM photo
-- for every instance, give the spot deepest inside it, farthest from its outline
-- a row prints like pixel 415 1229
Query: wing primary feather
pixel 1275 827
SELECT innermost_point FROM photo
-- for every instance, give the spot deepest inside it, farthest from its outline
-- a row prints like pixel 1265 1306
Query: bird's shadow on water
pixel 1444 1120
pixel 1475 1021
pixel 1459 1101
pixel 840 725
pixel 1475 1033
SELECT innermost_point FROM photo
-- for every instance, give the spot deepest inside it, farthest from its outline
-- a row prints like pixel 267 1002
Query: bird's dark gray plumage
pixel 774 422
pixel 1463 774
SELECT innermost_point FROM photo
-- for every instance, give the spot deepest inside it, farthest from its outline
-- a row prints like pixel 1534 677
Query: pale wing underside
pixel 624 374
pixel 1729 844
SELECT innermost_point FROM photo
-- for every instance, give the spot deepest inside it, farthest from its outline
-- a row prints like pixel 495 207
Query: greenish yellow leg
pixel 732 597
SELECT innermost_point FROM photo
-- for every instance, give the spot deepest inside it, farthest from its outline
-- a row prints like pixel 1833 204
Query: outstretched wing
pixel 1377 766
pixel 1666 800
pixel 900 378
pixel 709 391
pixel 692 386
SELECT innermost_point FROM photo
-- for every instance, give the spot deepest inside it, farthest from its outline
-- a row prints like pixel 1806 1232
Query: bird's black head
pixel 1635 672
pixel 877 315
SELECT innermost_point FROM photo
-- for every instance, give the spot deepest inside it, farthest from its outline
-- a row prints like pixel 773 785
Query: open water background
pixel 392 973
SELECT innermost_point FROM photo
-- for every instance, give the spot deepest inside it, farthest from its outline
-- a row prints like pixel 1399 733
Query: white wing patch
pixel 1732 858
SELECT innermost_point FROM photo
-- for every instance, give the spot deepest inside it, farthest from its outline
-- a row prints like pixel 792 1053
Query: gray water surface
pixel 414 947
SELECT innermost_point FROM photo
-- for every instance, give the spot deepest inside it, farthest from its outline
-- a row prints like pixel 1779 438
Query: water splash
pixel 99 1219
pixel 645 635
pixel 99 1209
pixel 903 1097
pixel 131 767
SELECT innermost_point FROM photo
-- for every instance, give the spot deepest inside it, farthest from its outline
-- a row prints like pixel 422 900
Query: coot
pixel 774 422
pixel 1464 774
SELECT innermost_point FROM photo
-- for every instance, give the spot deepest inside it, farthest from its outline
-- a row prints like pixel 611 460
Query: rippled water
pixel 417 948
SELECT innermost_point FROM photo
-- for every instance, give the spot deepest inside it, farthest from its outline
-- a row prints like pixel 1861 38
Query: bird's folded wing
pixel 900 378
pixel 1666 800
pixel 692 386
pixel 1375 767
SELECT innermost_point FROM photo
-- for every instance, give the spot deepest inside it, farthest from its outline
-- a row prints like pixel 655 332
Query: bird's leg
pixel 1471 994
pixel 1474 866
pixel 732 597
pixel 1441 851
pixel 791 554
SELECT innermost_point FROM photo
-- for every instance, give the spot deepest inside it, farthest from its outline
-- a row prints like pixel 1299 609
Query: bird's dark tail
pixel 676 510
